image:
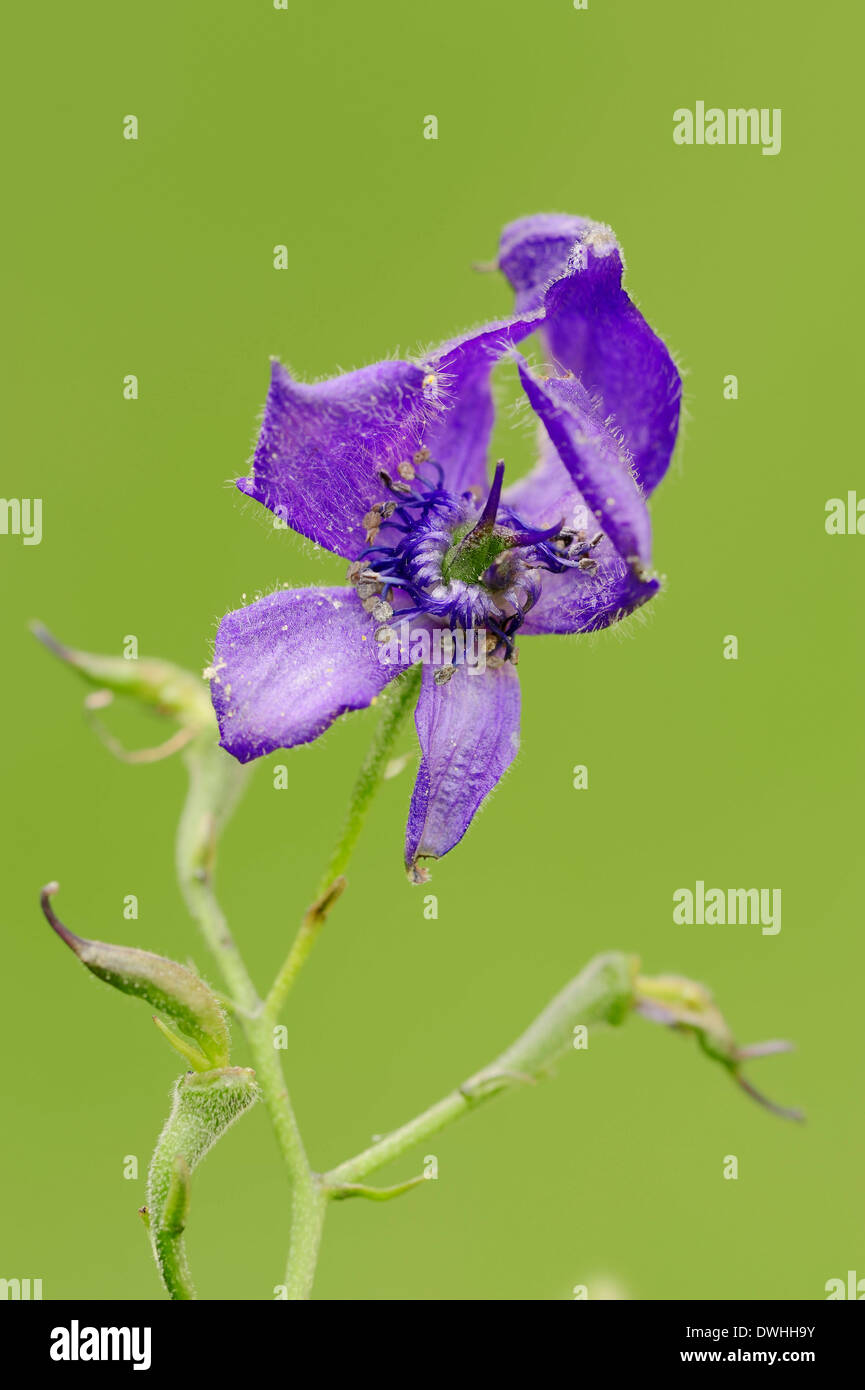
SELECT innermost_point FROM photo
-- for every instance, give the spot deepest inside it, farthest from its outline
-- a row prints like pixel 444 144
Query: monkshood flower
pixel 387 466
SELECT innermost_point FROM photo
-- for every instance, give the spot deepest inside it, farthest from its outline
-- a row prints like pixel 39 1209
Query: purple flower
pixel 387 466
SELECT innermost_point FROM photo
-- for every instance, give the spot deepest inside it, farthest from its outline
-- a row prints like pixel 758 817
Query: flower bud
pixel 159 684
pixel 688 1006
pixel 685 1004
pixel 168 987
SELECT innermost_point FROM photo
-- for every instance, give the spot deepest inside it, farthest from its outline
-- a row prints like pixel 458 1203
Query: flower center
pixel 457 563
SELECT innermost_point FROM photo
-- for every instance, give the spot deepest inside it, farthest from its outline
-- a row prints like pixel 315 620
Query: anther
pixel 368 590
pixel 402 488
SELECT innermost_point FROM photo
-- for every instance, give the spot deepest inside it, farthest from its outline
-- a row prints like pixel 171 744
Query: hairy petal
pixel 459 439
pixel 598 464
pixel 573 601
pixel 469 735
pixel 322 445
pixel 548 494
pixel 286 666
pixel 571 268
pixel 536 251
pixel 578 602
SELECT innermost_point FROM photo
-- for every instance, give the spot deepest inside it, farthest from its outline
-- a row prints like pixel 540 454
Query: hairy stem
pixel 307 1198
pixel 169 1252
pixel 444 1112
pixel 216 782
pixel 395 705
pixel 601 994
pixel 303 943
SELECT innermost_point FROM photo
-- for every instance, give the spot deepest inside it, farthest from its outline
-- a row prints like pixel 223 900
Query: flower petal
pixel 595 460
pixel 321 446
pixel 548 494
pixel 469 735
pixel 573 601
pixel 286 666
pixel 459 439
pixel 578 602
pixel 572 268
pixel 536 251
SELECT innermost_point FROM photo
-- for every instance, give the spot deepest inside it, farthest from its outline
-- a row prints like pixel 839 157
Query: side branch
pixel 600 994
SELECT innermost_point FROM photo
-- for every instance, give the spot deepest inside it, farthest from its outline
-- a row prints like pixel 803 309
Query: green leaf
pixel 172 989
pixel 204 1106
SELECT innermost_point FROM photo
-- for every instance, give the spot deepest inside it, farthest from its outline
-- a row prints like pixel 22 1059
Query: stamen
pixel 391 485
pixel 459 566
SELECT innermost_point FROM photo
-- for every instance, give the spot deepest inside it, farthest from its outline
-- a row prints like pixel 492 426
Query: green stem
pixel 443 1113
pixel 216 781
pixel 395 703
pixel 300 948
pixel 601 994
pixel 169 1253
pixel 307 1198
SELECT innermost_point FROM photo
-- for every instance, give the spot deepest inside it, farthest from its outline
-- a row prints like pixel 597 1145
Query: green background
pixel 304 127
